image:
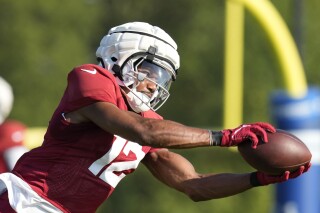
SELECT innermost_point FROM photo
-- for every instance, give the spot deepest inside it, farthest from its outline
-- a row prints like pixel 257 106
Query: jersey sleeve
pixel 151 114
pixel 88 84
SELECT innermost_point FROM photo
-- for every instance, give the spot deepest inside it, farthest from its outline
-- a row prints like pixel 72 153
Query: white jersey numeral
pixel 106 163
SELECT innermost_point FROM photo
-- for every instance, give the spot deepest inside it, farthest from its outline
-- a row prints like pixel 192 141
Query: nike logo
pixel 94 71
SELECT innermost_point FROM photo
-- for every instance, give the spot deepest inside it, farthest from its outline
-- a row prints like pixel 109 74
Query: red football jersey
pixel 78 165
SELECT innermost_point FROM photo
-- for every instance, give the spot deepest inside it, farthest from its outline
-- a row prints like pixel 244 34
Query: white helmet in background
pixel 6 99
pixel 129 48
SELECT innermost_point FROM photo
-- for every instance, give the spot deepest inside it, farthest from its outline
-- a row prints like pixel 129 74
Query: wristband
pixel 254 180
pixel 215 138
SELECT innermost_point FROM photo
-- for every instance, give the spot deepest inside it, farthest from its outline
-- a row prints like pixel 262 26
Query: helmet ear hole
pixel 114 59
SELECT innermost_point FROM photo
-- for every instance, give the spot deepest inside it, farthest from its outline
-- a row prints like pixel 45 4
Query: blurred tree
pixel 311 44
pixel 40 42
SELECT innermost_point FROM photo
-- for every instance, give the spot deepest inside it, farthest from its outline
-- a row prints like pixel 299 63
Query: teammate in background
pixel 6 99
pixel 12 135
pixel 106 124
pixel 11 132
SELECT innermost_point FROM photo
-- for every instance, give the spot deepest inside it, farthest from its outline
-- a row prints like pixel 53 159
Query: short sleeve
pixel 89 84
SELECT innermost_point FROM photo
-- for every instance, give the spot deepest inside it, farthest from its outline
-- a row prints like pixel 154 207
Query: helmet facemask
pixel 156 73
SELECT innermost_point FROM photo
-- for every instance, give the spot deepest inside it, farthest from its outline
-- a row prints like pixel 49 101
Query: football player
pixel 12 136
pixel 106 124
pixel 12 132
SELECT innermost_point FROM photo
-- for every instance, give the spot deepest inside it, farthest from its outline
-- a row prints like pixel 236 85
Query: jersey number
pixel 120 147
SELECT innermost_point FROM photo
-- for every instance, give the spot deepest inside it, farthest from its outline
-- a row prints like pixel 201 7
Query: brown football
pixel 283 152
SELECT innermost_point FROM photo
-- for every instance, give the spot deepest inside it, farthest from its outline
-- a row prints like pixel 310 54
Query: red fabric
pixel 12 133
pixel 66 169
pixel 4 204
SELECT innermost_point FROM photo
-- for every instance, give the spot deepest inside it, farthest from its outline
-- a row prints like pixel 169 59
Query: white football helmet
pixel 6 99
pixel 137 51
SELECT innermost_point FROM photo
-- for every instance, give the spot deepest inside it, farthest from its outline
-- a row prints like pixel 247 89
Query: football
pixel 283 152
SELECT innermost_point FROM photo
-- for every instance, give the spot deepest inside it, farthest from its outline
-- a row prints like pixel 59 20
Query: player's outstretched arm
pixel 145 131
pixel 177 172
pixel 164 133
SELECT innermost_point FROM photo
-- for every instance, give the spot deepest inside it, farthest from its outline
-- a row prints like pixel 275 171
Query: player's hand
pixel 262 179
pixel 232 137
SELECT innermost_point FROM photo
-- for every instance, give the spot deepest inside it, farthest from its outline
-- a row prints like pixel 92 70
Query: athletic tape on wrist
pixel 215 138
pixel 254 179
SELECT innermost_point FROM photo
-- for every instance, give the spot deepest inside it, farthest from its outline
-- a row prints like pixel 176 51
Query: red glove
pixel 262 179
pixel 232 137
